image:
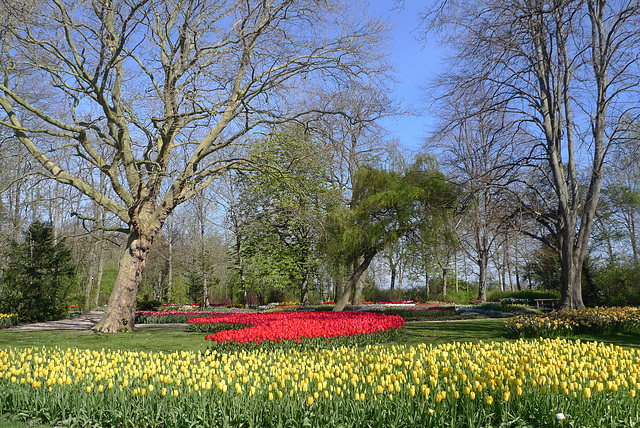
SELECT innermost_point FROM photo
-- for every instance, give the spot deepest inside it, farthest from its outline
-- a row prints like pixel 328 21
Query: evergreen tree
pixel 39 276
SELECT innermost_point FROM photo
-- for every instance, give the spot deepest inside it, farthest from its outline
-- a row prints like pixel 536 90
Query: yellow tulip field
pixel 536 383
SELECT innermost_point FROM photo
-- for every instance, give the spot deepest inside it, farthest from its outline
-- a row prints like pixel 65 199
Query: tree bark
pixel 427 284
pixel 634 240
pixel 90 277
pixel 444 282
pixel 455 271
pixel 120 312
pixel 98 279
pixel 483 262
pixel 170 273
pixel 240 261
pixel 304 288
pixel 353 281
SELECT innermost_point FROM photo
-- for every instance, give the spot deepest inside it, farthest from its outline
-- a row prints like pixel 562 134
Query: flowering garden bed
pixel 588 320
pixel 299 328
pixel 8 320
pixel 457 384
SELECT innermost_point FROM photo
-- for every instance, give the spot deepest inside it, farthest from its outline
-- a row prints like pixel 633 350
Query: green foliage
pixel 545 270
pixel 618 285
pixel 39 276
pixel 284 202
pixel 371 293
pixel 147 304
pixel 385 207
pixel 497 295
pixel 421 314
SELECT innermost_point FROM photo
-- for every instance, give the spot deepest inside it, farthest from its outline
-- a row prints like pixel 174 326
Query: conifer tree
pixel 39 276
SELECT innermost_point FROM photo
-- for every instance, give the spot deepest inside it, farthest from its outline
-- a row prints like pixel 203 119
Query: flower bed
pixel 457 384
pixel 8 320
pixel 296 327
pixel 587 320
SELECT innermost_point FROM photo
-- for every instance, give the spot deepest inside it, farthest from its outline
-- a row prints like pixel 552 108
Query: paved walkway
pixel 81 322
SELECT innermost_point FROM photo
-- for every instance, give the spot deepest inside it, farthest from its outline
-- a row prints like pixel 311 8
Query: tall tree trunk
pixel 634 239
pixel 393 277
pixel 120 312
pixel 444 282
pixel 90 277
pixel 483 262
pixel 455 270
pixel 427 283
pixel 205 289
pixel 357 293
pixel 240 261
pixel 170 273
pixel 98 279
pixel 304 288
pixel 338 288
pixel 353 281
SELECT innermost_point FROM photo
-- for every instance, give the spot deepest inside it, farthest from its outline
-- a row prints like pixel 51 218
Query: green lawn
pixel 169 339
pixel 160 338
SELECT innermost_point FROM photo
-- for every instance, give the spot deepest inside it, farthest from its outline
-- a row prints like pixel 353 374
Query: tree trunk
pixel 205 288
pixel 634 239
pixel 427 284
pixel 444 283
pixel 304 288
pixel 90 277
pixel 483 261
pixel 120 312
pixel 571 288
pixel 338 288
pixel 393 278
pixel 455 270
pixel 353 281
pixel 170 273
pixel 240 261
pixel 357 294
pixel 98 280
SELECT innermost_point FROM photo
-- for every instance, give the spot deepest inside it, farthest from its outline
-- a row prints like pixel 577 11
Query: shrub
pixel 497 295
pixel 147 304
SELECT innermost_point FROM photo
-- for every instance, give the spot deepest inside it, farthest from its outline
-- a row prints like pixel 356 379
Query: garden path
pixel 81 322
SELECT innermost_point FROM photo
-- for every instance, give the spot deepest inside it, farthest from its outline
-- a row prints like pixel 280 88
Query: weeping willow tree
pixel 386 206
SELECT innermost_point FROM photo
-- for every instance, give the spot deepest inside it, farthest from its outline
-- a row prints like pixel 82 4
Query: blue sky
pixel 415 65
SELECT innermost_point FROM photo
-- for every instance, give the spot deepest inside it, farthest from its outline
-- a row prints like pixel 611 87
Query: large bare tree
pixel 478 152
pixel 151 94
pixel 566 69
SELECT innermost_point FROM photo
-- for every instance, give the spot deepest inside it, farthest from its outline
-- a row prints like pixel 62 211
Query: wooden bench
pixel 547 304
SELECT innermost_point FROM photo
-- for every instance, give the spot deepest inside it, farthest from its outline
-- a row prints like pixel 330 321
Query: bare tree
pixel 156 91
pixel 566 70
pixel 477 146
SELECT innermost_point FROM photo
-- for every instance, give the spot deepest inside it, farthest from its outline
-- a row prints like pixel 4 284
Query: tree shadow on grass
pixel 461 331
pixel 437 333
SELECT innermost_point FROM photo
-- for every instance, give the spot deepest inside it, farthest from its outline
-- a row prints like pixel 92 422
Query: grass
pixel 147 339
pixel 168 339
pixel 439 332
